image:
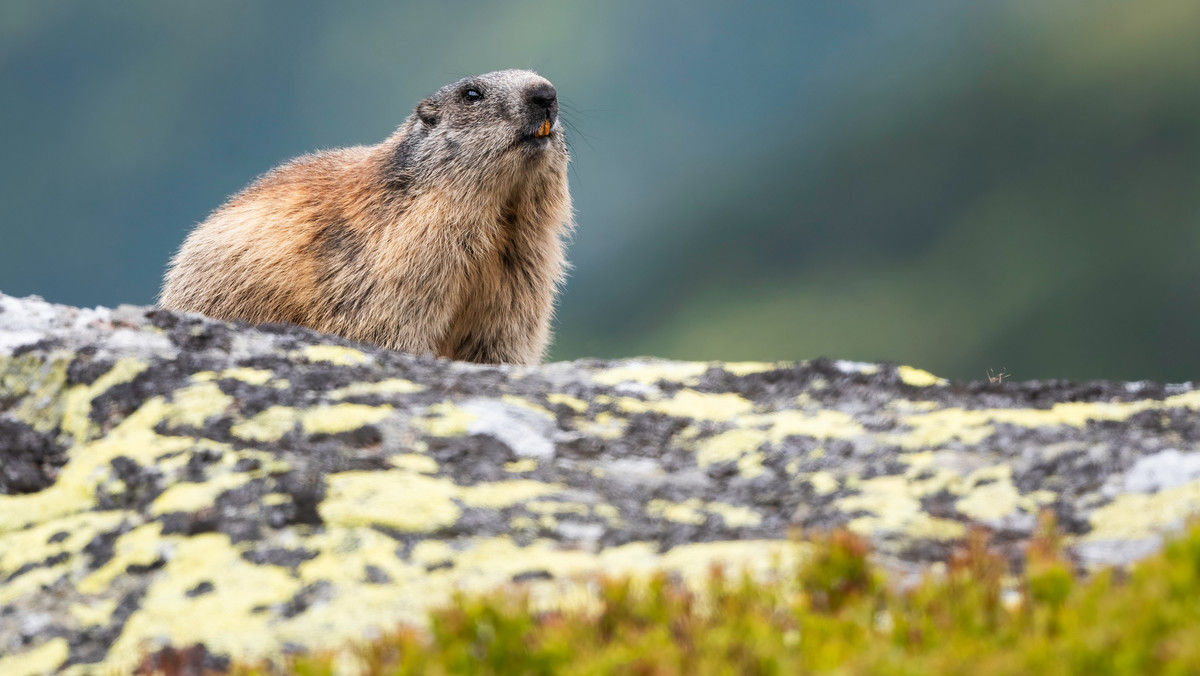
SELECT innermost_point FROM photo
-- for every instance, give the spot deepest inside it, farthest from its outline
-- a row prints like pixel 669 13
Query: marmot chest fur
pixel 446 238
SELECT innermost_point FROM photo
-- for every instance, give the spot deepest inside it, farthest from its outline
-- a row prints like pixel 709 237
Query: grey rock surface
pixel 169 479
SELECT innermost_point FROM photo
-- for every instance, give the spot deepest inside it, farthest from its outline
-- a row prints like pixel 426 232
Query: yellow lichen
pixel 823 424
pixel 735 516
pixel 823 483
pixel 447 420
pixel 37 385
pixel 520 466
pixel 604 426
pixel 687 511
pixel 650 373
pixel 527 405
pixel 192 406
pixel 500 494
pixel 381 388
pixel 37 661
pixel 250 376
pixel 732 446
pixel 691 404
pixel 335 354
pixel 1137 515
pixel 573 403
pixel 414 462
pixel 89 465
pixel 337 418
pixel 77 400
pixel 141 546
pixel 269 425
pixel 745 368
pixel 408 502
pixel 937 428
pixel 917 377
pixel 240 590
pixel 556 507
pixel 192 496
pixel 893 510
pixel 94 613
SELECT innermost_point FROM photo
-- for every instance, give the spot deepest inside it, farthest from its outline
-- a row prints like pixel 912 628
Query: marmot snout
pixel 446 238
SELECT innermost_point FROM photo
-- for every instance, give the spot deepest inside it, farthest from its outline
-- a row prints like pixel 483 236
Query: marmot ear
pixel 429 113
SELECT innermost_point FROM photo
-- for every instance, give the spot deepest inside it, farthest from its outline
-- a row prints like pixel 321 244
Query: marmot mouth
pixel 540 134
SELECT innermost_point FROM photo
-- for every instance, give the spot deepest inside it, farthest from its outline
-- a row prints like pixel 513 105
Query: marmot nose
pixel 544 96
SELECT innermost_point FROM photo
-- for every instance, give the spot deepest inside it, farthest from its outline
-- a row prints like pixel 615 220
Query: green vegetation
pixel 834 614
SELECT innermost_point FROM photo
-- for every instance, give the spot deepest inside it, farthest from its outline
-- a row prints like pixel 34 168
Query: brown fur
pixel 446 238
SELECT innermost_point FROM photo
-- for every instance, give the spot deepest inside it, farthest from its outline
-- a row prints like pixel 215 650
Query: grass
pixel 833 615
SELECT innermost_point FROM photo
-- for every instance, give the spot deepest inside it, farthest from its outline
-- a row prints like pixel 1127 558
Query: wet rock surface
pixel 167 479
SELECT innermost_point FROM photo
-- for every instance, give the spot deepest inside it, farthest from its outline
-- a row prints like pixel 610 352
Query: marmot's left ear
pixel 428 112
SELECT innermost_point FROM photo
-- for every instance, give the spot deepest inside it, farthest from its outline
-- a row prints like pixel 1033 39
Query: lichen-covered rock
pixel 166 478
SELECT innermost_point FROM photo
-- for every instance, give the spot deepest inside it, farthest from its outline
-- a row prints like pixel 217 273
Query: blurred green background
pixel 961 186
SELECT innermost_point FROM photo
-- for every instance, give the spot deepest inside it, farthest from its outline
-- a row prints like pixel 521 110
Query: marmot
pixel 446 238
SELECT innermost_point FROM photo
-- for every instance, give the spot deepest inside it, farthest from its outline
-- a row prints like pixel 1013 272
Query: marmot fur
pixel 446 238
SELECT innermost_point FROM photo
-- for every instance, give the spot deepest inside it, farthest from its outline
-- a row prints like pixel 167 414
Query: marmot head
pixel 500 123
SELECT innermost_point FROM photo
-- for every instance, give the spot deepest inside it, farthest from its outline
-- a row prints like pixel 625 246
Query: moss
pixel 831 614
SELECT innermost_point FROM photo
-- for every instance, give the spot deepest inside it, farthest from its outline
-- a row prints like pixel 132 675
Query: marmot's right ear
pixel 428 112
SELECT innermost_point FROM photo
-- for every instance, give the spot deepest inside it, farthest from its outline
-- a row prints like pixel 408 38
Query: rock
pixel 166 479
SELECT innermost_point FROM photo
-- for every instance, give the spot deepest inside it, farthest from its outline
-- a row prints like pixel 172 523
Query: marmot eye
pixel 472 95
